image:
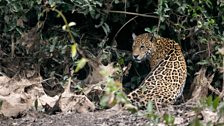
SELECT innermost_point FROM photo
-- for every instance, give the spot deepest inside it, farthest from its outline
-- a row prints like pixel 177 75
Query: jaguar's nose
pixel 135 56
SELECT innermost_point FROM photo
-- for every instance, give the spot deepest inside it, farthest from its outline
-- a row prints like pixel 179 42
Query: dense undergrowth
pixel 59 38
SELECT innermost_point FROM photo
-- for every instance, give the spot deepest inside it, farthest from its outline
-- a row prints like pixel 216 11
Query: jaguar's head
pixel 142 46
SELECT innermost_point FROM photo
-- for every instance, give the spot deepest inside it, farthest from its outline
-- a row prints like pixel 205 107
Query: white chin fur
pixel 138 61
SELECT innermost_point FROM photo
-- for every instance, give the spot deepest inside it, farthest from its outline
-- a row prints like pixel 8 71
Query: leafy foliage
pixel 73 32
pixel 209 108
pixel 113 93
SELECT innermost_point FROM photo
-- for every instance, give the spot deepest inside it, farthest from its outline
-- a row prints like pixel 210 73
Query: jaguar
pixel 166 80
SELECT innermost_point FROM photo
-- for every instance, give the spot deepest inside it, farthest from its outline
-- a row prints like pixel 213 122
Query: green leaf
pixel 71 24
pixel 103 101
pixel 74 50
pixel 216 103
pixel 209 100
pixel 52 47
pixel 203 62
pixel 121 61
pixel 80 64
pixel 106 28
pixel 148 30
pixel 221 109
pixel 150 107
pixel 65 27
pixel 116 1
pixel 196 122
pixel 121 97
pixel 169 119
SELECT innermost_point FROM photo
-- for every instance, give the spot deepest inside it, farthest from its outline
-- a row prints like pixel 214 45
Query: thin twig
pixel 132 13
pixel 198 53
pixel 44 80
pixel 216 91
pixel 129 13
pixel 222 89
pixel 2 74
pixel 12 46
pixel 126 70
pixel 66 23
pixel 222 93
pixel 125 6
pixel 157 107
pixel 158 26
pixel 209 51
pixel 122 28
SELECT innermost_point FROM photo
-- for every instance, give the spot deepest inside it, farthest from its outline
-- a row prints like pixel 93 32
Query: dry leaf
pixel 93 88
pixel 100 73
pixel 108 70
pixel 18 96
pixel 47 100
pixel 201 84
pixel 161 124
pixel 30 39
pixel 15 104
pixel 221 51
pixel 78 103
pixel 96 81
pixel 208 116
pixel 3 89
pixel 178 121
pixel 221 69
pixel 72 102
pixel 20 23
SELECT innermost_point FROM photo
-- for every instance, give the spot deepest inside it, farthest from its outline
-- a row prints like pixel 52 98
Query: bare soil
pixel 101 118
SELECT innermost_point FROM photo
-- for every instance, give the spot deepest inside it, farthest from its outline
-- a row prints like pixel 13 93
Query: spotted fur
pixel 165 83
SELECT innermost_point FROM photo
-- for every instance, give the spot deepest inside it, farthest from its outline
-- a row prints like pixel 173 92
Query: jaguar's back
pixel 165 83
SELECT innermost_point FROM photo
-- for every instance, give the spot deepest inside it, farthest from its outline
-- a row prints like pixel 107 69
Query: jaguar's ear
pixel 151 37
pixel 133 36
